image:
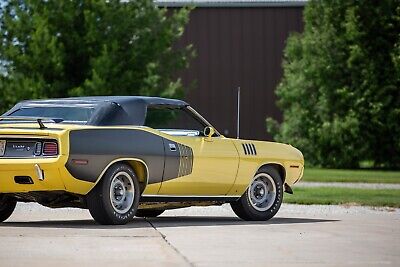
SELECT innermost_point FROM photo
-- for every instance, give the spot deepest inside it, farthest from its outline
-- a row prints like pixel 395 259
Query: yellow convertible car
pixel 126 156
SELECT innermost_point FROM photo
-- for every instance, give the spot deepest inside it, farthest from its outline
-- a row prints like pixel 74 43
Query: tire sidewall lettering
pixel 125 217
pixel 277 202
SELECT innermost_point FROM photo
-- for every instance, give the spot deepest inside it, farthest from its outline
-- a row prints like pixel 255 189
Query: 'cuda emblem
pixel 21 147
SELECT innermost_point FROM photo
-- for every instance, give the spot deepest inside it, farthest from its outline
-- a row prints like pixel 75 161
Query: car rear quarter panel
pixel 102 146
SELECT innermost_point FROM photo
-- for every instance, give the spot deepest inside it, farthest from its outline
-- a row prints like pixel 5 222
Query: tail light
pixel 50 149
pixel 38 149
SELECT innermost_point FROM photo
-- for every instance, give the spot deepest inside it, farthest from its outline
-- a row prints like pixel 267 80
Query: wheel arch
pixel 278 167
pixel 139 167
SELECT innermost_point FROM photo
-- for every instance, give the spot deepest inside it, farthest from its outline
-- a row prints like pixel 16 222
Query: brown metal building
pixel 239 44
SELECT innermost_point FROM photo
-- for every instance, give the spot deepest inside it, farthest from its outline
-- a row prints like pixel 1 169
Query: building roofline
pixel 231 3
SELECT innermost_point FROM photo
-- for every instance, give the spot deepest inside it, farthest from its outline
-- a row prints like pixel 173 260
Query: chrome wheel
pixel 122 192
pixel 262 192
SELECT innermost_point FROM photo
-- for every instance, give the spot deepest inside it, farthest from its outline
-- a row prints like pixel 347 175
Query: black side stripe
pixel 254 149
pixel 244 148
pixel 249 149
pixel 186 160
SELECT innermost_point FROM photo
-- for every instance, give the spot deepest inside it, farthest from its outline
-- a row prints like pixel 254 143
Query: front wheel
pixel 7 207
pixel 262 199
pixel 115 199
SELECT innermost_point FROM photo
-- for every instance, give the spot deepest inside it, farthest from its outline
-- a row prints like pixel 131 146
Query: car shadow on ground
pixel 162 221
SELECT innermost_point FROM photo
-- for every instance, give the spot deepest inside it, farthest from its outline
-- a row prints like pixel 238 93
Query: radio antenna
pixel 238 114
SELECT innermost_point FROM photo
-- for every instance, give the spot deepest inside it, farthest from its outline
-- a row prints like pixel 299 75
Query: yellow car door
pixel 215 165
pixel 214 158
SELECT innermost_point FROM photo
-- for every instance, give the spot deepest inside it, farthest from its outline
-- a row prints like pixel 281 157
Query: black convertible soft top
pixel 108 110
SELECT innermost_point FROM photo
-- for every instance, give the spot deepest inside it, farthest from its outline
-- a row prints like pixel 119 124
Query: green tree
pixel 67 48
pixel 340 93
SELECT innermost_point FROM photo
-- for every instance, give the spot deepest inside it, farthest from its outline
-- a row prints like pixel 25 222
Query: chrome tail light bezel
pixel 55 147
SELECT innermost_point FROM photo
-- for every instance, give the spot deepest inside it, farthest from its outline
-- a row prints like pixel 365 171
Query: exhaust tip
pixel 39 172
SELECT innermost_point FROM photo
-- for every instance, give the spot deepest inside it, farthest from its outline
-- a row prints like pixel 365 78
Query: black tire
pixel 7 207
pixel 246 211
pixel 100 202
pixel 150 213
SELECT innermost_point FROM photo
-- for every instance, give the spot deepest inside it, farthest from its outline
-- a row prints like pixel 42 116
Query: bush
pixel 340 93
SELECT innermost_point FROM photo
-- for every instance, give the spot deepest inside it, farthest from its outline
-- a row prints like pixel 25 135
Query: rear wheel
pixel 262 199
pixel 7 207
pixel 115 199
pixel 149 213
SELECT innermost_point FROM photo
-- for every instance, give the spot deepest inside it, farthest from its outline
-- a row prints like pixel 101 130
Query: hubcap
pixel 122 192
pixel 262 192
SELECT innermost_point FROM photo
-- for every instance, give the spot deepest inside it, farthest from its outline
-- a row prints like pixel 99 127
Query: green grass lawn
pixel 351 176
pixel 335 195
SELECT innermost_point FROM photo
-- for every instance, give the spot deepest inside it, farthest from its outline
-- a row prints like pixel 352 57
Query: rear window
pixel 68 114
